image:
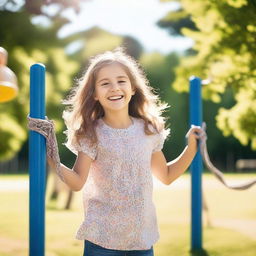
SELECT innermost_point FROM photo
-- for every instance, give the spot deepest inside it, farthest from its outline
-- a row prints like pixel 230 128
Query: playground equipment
pixel 202 155
pixel 37 165
pixel 195 110
pixel 8 80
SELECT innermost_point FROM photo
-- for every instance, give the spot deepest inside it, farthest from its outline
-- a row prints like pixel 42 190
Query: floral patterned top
pixel 117 196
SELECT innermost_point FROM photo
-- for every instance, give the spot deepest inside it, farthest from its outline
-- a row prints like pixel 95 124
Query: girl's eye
pixel 105 84
pixel 121 81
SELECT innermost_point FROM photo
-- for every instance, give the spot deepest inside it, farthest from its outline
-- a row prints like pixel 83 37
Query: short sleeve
pixel 159 139
pixel 83 146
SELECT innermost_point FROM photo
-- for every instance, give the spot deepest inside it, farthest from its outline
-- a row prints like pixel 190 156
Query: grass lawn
pixel 173 210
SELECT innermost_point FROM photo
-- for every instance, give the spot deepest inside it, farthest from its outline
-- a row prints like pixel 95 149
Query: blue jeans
pixel 91 249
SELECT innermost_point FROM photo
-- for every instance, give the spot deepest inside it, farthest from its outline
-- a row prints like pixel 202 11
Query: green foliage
pixel 175 21
pixel 225 47
pixel 14 135
pixel 26 45
pixel 160 71
pixel 13 120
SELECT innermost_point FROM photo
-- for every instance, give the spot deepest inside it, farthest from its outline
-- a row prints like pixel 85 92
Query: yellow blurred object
pixel 8 80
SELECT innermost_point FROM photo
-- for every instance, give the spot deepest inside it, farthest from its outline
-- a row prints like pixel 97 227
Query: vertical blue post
pixel 195 106
pixel 37 164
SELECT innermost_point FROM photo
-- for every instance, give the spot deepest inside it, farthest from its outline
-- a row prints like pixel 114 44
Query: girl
pixel 116 130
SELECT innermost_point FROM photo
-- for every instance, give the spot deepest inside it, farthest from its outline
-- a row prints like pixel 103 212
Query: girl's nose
pixel 114 86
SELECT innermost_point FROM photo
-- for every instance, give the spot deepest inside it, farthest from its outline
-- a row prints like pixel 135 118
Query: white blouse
pixel 117 196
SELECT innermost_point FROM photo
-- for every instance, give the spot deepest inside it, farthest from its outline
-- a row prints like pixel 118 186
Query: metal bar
pixel 37 164
pixel 196 167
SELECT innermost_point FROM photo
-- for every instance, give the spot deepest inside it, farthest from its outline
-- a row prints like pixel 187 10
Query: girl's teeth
pixel 115 98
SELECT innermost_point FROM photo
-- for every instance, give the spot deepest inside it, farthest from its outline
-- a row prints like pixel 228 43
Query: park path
pixel 246 227
pixel 13 245
pixel 13 185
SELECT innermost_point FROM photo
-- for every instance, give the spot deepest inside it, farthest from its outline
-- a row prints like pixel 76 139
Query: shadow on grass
pixel 198 252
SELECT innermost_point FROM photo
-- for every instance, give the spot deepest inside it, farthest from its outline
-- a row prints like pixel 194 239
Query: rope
pixel 46 128
pixel 218 174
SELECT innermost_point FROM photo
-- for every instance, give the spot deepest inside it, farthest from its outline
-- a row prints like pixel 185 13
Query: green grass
pixel 173 210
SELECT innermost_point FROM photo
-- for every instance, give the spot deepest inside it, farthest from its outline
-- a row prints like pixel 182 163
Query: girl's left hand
pixel 194 134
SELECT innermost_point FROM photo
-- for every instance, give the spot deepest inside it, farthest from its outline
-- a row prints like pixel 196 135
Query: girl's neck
pixel 118 122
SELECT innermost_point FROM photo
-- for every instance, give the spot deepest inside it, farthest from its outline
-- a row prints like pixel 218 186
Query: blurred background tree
pixel 224 52
pixel 28 44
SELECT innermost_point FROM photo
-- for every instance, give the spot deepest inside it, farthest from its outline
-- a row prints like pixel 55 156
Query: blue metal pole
pixel 37 164
pixel 195 107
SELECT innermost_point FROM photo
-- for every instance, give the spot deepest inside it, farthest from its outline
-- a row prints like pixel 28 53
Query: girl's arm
pixel 76 177
pixel 168 172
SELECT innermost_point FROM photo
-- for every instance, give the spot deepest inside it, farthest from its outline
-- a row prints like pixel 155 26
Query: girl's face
pixel 113 88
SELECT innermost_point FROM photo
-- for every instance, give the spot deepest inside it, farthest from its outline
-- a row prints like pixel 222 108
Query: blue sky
pixel 136 18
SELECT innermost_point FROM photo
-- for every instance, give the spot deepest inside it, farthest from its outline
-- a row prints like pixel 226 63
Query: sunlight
pixel 127 17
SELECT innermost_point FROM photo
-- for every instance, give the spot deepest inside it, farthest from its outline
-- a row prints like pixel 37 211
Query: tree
pixel 26 45
pixel 225 53
pixel 175 21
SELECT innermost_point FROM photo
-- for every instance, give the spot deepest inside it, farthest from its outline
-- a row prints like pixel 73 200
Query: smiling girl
pixel 116 130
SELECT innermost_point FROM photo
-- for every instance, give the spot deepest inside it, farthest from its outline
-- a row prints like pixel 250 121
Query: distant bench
pixel 246 164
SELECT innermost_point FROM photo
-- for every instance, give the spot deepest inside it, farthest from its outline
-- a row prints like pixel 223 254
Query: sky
pixel 136 18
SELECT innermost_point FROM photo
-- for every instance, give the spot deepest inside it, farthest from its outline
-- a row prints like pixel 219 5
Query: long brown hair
pixel 81 118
